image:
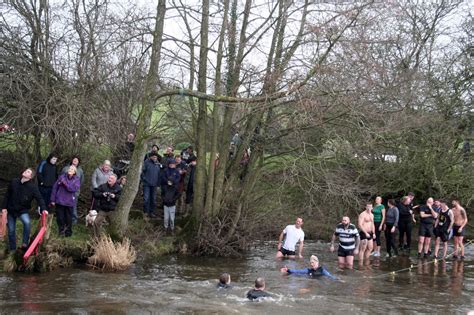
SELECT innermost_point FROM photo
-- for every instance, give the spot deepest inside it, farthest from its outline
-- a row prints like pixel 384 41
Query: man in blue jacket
pixel 151 179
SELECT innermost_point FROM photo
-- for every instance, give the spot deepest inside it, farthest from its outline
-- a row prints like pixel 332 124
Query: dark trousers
pixel 64 220
pixel 405 227
pixel 46 194
pixel 390 239
pixel 378 233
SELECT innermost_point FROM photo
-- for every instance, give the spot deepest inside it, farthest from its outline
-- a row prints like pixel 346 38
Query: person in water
pixel 292 234
pixel 224 281
pixel 349 240
pixel 258 292
pixel 315 271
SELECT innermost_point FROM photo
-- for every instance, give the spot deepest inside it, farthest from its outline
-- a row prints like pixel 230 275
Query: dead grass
pixel 110 256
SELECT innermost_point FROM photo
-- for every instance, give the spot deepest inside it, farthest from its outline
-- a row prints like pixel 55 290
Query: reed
pixel 110 256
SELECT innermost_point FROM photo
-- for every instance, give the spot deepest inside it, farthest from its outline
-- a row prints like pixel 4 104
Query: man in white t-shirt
pixel 294 234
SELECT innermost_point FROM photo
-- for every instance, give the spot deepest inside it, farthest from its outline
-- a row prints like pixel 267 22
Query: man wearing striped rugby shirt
pixel 348 243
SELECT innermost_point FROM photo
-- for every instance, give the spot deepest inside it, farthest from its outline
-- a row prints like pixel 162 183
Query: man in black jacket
pixel 107 196
pixel 17 203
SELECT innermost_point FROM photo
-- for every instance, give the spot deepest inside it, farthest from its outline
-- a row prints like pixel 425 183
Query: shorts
pixel 456 230
pixel 426 230
pixel 442 233
pixel 341 252
pixel 287 252
pixel 364 237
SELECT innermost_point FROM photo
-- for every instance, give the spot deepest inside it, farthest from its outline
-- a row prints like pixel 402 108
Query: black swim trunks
pixel 442 233
pixel 426 230
pixel 287 252
pixel 341 252
pixel 363 236
pixel 456 230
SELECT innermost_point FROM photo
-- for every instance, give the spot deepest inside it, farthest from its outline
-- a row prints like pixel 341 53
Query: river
pixel 181 284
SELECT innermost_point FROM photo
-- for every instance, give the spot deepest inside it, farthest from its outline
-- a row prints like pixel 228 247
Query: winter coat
pixel 47 173
pixel 151 173
pixel 64 190
pixel 170 195
pixel 99 177
pixel 19 196
pixel 79 172
pixel 107 203
pixel 170 174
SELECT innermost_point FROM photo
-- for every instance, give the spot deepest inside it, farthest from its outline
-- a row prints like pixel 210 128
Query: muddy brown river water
pixel 177 284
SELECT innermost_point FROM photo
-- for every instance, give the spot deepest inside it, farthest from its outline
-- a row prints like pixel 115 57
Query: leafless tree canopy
pixel 337 100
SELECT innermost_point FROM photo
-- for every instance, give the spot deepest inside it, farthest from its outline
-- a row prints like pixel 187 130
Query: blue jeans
pixel 170 213
pixel 25 219
pixel 149 199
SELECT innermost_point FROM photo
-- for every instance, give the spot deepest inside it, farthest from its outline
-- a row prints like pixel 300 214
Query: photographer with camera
pixel 107 196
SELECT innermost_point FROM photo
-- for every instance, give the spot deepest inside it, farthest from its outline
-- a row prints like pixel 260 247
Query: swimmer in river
pixel 366 232
pixel 224 281
pixel 314 271
pixel 258 292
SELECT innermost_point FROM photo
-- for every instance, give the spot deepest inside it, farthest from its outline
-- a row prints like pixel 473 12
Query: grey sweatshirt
pixel 99 177
pixel 392 216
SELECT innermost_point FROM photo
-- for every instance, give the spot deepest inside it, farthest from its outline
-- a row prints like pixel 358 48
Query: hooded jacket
pixel 47 173
pixel 64 190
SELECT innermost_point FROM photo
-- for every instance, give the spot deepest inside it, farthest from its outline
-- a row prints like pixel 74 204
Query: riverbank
pixel 146 236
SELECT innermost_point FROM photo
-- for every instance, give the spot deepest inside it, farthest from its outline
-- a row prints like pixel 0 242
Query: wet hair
pixel 259 283
pixel 224 278
pixel 391 201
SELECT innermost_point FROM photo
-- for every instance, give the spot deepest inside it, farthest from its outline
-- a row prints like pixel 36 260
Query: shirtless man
pixel 294 234
pixel 367 235
pixel 460 221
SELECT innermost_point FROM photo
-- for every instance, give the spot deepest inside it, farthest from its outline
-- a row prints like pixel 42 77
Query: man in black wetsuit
pixel 258 291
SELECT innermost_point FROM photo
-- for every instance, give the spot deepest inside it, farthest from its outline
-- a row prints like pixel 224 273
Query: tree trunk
pixel 120 222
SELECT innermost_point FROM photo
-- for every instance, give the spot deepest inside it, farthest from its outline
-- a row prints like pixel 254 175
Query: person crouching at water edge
pixel 294 234
pixel 348 242
pixel 17 203
pixel 314 271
